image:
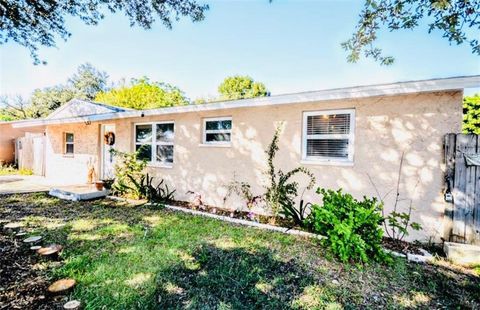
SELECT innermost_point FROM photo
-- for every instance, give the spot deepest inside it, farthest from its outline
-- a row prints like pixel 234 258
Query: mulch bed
pixel 22 285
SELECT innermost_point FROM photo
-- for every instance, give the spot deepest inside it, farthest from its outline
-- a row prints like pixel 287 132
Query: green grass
pixel 139 258
pixel 11 170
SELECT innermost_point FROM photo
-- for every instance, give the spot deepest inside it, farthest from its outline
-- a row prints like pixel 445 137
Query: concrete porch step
pixel 78 192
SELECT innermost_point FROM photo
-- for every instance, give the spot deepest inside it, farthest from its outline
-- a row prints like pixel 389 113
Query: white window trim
pixel 329 160
pixel 154 143
pixel 68 143
pixel 205 131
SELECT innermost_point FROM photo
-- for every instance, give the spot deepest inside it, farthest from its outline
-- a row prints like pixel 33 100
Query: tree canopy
pixel 452 18
pixel 241 87
pixel 471 114
pixel 85 83
pixel 39 23
pixel 143 94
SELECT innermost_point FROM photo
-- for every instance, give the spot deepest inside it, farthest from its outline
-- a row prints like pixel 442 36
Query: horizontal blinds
pixel 337 148
pixel 328 135
pixel 328 124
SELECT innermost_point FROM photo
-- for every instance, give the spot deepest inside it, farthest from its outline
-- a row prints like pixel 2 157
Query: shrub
pixel 353 227
pixel 128 172
pixel 144 188
pixel 282 192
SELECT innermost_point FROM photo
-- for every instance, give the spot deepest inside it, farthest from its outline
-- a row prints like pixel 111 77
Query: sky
pixel 291 46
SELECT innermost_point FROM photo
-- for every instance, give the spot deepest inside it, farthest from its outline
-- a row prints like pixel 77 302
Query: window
pixel 217 130
pixel 69 141
pixel 155 142
pixel 328 136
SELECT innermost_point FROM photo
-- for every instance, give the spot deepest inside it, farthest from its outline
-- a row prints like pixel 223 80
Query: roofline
pixel 391 89
pixel 73 100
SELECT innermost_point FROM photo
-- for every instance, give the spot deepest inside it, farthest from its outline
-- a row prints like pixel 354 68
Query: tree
pixel 143 94
pixel 84 84
pixel 88 81
pixel 13 108
pixel 38 23
pixel 471 114
pixel 241 87
pixel 451 17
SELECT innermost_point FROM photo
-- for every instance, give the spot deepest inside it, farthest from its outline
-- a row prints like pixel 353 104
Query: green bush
pixel 352 226
pixel 129 171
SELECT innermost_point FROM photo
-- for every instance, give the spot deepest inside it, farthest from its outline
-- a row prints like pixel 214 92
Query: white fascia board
pixel 402 88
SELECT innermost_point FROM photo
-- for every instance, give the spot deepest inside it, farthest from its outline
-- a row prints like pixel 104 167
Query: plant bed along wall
pixel 392 245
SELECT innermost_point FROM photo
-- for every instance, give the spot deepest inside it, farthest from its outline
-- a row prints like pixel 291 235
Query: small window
pixel 328 135
pixel 217 130
pixel 69 143
pixel 155 142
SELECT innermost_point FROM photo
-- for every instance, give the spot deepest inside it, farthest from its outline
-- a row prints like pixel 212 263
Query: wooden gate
pixel 463 182
pixel 30 152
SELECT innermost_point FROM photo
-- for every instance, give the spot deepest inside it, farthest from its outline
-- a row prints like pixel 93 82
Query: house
pixel 348 137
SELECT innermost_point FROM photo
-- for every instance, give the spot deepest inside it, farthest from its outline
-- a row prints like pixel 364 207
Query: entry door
pixel 108 160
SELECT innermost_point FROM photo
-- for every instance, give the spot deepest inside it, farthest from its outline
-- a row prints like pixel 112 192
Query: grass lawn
pixel 127 257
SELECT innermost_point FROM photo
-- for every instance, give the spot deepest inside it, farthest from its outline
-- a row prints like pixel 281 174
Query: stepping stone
pixel 13 225
pixel 20 234
pixel 61 286
pixel 72 304
pixel 50 250
pixel 33 239
pixel 35 247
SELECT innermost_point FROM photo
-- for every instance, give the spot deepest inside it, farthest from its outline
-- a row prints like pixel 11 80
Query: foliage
pixel 39 23
pixel 143 94
pixel 471 114
pixel 11 170
pixel 453 18
pixel 281 192
pixel 244 190
pixel 144 188
pixel 83 84
pixel 129 171
pixel 397 223
pixel 142 258
pixel 241 87
pixel 352 226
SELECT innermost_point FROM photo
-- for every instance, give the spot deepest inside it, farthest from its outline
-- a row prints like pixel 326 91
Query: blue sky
pixel 291 46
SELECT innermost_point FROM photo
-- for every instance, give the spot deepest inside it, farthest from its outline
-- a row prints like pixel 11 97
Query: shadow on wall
pixel 385 128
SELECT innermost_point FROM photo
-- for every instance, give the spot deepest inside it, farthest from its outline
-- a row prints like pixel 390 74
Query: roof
pixel 400 88
pixel 78 107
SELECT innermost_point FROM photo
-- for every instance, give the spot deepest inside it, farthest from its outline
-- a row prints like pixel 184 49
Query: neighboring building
pixel 344 136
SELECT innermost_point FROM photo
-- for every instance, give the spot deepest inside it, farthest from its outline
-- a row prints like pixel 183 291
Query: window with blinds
pixel 328 135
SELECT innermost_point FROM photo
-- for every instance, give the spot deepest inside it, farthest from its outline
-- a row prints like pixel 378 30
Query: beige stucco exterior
pixel 7 142
pixel 384 128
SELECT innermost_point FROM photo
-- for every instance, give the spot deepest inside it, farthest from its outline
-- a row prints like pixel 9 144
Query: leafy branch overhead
pixel 457 20
pixel 39 23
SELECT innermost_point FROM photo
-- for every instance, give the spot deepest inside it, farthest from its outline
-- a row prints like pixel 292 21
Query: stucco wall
pixel 7 144
pixel 71 169
pixel 384 128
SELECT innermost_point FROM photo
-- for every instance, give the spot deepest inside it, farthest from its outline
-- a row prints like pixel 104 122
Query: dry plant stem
pixel 381 200
pixel 398 189
pixel 410 209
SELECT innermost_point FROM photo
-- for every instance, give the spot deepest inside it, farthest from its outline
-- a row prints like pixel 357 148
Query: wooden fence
pixel 463 182
pixel 30 152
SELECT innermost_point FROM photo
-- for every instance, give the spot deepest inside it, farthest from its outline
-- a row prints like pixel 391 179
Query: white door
pixel 108 160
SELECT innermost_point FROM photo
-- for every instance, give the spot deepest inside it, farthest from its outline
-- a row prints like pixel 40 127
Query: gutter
pixel 401 88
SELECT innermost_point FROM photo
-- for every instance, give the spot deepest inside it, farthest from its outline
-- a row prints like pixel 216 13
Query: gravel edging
pixel 248 223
